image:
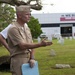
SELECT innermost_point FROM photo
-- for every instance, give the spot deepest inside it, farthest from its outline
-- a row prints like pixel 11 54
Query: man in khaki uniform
pixel 20 41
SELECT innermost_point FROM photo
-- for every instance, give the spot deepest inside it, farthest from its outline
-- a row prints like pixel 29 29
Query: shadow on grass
pixel 5 63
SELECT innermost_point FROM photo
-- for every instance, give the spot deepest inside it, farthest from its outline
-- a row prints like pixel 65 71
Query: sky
pixel 57 6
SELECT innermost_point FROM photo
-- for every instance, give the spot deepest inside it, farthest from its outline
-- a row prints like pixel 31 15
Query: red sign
pixel 67 17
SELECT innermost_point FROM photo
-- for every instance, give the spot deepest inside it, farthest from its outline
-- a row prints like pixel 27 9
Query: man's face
pixel 25 16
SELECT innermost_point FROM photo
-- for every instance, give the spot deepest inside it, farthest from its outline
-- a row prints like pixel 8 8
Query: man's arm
pixel 3 42
pixel 3 37
pixel 17 39
pixel 32 54
pixel 32 59
pixel 24 46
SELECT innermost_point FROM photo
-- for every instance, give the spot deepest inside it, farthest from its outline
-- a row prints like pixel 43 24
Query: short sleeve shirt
pixel 5 31
pixel 16 35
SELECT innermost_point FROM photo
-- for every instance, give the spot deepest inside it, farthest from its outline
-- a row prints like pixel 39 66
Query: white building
pixel 57 23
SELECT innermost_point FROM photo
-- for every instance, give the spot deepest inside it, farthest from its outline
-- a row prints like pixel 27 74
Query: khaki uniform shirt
pixel 17 34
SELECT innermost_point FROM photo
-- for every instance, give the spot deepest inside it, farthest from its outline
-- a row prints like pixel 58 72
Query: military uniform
pixel 17 34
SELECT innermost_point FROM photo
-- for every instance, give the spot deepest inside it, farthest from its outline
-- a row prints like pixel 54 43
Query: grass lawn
pixel 65 54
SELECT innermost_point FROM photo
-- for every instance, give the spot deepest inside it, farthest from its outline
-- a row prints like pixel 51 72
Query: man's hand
pixel 32 63
pixel 45 43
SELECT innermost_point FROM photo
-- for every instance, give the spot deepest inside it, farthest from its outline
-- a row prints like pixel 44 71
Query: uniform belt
pixel 21 55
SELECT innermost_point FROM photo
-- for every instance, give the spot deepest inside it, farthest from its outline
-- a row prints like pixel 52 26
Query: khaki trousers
pixel 16 63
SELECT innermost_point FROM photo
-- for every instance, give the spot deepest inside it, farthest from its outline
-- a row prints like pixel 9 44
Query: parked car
pixel 43 36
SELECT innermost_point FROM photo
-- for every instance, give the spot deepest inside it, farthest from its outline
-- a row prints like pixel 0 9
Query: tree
pixel 36 6
pixel 35 27
pixel 6 15
pixel 7 12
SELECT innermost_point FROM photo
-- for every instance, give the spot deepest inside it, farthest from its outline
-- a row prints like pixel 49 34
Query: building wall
pixel 73 32
pixel 51 22
pixel 55 17
pixel 51 31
